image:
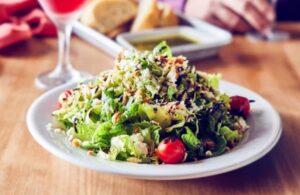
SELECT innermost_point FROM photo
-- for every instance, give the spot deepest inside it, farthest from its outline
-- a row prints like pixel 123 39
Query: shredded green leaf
pixel 126 112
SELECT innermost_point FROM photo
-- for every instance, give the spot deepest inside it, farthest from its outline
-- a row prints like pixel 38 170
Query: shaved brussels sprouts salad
pixel 152 108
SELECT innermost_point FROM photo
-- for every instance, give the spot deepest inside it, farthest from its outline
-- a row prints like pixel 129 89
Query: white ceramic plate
pixel 262 136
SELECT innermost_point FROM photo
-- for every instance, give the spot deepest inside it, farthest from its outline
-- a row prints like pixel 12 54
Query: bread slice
pixel 147 17
pixel 107 15
pixel 116 31
pixel 167 16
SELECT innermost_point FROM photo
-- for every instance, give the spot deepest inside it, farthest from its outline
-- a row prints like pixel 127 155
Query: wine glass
pixel 271 34
pixel 63 13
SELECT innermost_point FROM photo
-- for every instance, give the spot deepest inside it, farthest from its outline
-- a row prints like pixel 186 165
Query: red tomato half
pixel 239 105
pixel 63 97
pixel 171 151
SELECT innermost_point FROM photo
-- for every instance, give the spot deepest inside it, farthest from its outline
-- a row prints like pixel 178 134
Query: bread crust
pixel 146 19
pixel 107 15
pixel 167 17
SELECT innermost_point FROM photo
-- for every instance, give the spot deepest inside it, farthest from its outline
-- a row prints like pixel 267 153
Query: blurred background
pixel 195 29
pixel 22 19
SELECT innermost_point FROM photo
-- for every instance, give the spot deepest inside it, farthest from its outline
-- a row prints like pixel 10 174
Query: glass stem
pixel 64 34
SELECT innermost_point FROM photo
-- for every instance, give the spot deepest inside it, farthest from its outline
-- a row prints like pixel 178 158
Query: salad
pixel 152 108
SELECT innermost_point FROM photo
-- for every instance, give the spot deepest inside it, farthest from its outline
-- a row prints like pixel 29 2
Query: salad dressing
pixel 172 41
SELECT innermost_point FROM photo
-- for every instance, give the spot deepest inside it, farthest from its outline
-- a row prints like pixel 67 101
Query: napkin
pixel 21 20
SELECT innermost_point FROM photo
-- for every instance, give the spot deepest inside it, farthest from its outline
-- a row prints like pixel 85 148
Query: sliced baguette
pixel 147 17
pixel 107 15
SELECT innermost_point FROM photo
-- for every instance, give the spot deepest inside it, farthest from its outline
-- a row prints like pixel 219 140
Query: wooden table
pixel 270 69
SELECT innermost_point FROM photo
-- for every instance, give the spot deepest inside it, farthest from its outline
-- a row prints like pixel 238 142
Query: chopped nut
pixel 57 130
pixel 139 94
pixel 184 97
pixel 136 73
pixel 146 99
pixel 154 122
pixel 120 56
pixel 134 160
pixel 208 153
pixel 76 142
pixel 115 118
pixel 135 129
pixel 179 60
pixel 125 98
pixel 90 153
pixel 237 126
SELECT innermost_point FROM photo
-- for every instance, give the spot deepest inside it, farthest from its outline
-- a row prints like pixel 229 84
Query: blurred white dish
pixel 209 34
pixel 264 133
pixel 202 44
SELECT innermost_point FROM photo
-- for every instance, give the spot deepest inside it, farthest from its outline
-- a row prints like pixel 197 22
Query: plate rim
pixel 71 159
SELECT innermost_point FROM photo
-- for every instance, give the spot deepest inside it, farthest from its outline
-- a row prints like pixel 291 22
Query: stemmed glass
pixel 63 13
pixel 271 34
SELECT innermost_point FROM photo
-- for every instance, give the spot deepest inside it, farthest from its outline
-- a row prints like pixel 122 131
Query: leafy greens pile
pixel 126 112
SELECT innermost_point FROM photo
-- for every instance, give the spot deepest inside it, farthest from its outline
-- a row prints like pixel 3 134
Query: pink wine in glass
pixel 64 6
pixel 63 13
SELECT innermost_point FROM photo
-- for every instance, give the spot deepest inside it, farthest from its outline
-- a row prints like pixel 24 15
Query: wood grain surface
pixel 270 69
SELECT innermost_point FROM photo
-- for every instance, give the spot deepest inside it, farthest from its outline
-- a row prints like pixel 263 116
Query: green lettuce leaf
pixel 102 135
pixel 84 131
pixel 157 114
pixel 131 113
pixel 163 48
pixel 150 131
pixel 190 140
pixel 171 91
pixel 214 80
pixel 221 144
pixel 228 133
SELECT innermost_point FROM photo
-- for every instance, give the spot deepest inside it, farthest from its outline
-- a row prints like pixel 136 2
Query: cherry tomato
pixel 63 97
pixel 239 105
pixel 171 151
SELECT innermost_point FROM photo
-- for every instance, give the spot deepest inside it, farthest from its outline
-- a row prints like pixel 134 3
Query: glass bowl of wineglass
pixel 62 13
